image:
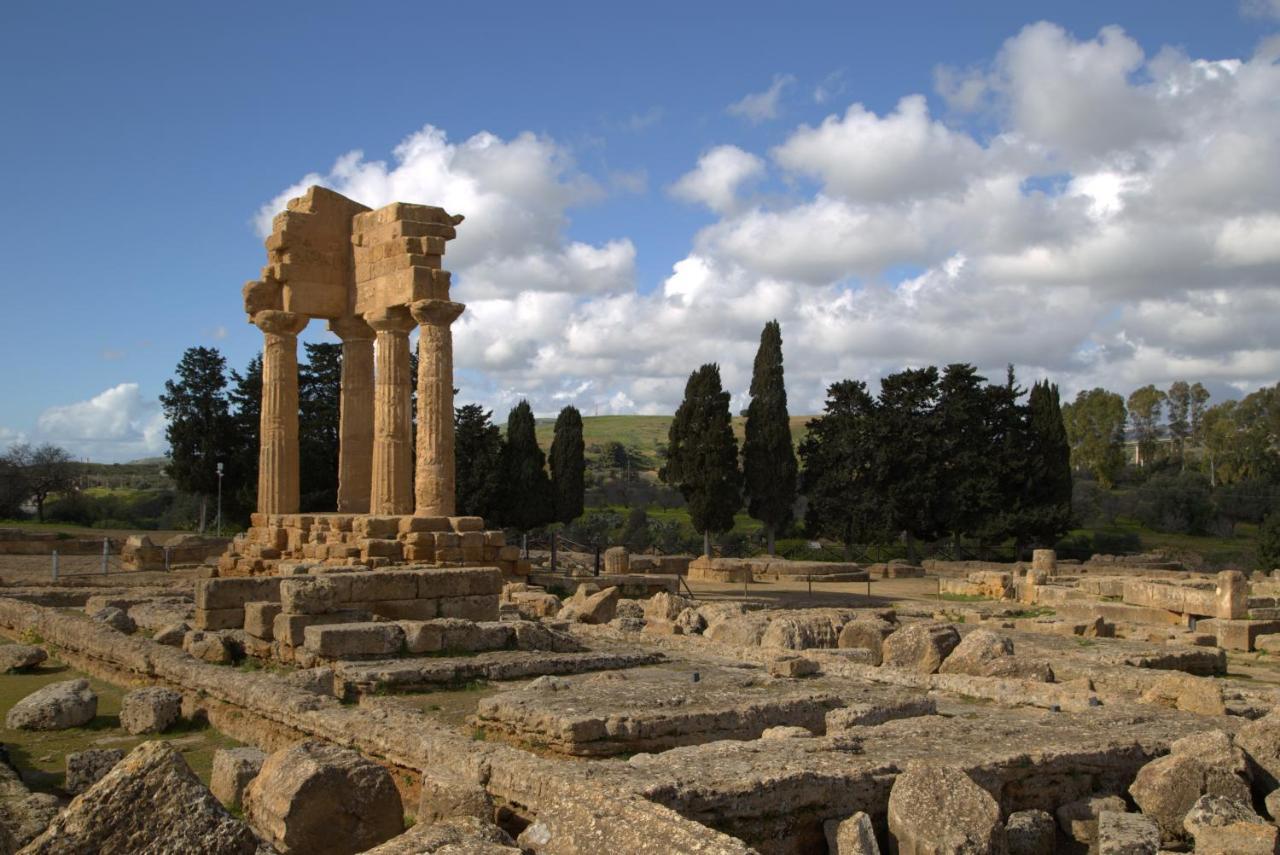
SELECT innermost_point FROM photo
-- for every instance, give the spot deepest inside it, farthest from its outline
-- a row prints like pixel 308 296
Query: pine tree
pixel 1047 503
pixel 240 485
pixel 838 479
pixel 568 465
pixel 319 396
pixel 200 432
pixel 528 502
pixel 702 455
pixel 768 456
pixel 478 455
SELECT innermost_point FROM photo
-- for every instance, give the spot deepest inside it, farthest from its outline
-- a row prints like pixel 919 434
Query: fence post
pixel 55 565
pixel 106 547
pixel 554 537
pixel 597 570
pixel 166 559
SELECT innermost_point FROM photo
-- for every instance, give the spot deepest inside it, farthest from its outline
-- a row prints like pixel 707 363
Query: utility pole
pixel 219 498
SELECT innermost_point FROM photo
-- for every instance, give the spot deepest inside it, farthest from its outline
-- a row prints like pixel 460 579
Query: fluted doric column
pixel 433 483
pixel 278 438
pixel 355 415
pixel 391 488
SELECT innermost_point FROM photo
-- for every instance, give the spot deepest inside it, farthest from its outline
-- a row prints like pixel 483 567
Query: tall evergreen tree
pixel 319 396
pixel 568 465
pixel 528 502
pixel 1046 507
pixel 966 428
pixel 908 464
pixel 478 455
pixel 768 457
pixel 200 432
pixel 702 455
pixel 838 477
pixel 240 485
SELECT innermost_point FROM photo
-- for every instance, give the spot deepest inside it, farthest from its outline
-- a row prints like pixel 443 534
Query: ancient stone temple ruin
pixel 373 277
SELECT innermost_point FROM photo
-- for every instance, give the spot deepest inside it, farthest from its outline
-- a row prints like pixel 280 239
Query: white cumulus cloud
pixel 715 181
pixel 762 106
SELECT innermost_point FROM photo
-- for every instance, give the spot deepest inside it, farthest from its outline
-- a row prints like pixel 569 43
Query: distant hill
pixel 644 434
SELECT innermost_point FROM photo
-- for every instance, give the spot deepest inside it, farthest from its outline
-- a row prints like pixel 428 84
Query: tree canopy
pixel 568 465
pixel 769 469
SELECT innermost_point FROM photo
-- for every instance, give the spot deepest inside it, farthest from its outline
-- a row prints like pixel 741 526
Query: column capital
pixel 437 313
pixel 276 322
pixel 395 319
pixel 351 328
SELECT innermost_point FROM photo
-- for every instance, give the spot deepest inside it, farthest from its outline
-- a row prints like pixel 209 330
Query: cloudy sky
pixel 1088 190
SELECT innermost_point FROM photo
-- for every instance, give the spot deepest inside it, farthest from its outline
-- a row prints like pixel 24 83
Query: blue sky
pixel 142 141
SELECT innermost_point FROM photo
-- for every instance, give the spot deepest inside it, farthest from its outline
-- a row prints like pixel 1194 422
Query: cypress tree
pixel 200 432
pixel 319 396
pixel 240 487
pixel 702 455
pixel 1047 505
pixel 568 465
pixel 768 457
pixel 528 501
pixel 478 456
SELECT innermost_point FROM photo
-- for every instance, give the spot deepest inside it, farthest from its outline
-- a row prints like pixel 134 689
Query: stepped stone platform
pixel 654 709
pixel 704 569
pixel 369 540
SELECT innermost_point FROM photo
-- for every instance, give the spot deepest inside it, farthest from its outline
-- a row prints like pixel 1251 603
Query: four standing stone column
pixel 434 470
pixel 355 415
pixel 391 490
pixel 278 451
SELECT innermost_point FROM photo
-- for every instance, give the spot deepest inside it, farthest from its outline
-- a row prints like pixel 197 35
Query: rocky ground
pixel 781 720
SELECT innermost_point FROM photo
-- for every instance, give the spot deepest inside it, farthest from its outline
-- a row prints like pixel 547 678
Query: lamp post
pixel 219 498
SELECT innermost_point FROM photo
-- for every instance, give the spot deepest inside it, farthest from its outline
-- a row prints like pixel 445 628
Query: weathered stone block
pixel 417 524
pixel 216 619
pixel 402 609
pixel 353 640
pixel 467 524
pixel 459 582
pixel 233 769
pixel 383 585
pixel 476 608
pixel 290 629
pixel 234 593
pixel 151 710
pixel 86 768
pixel 259 618
pixel 312 595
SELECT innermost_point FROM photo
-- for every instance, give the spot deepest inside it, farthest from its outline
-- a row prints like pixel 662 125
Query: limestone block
pixel 86 768
pixel 207 646
pixel 1232 595
pixel 940 809
pixel 588 606
pixel 311 595
pixel 376 527
pixel 416 524
pixel 317 797
pixel 1167 787
pixel 476 608
pixel 920 647
pixel 495 538
pixel 290 630
pixel 150 801
pixel 1045 560
pixel 402 609
pixel 1079 819
pixel 151 710
pixel 536 604
pixel 216 619
pixel 1223 826
pixel 467 524
pixel 382 585
pixel 852 836
pixel 509 553
pixel 58 706
pixel 1260 741
pixel 871 714
pixel 444 796
pixel 1030 832
pixel 172 634
pixel 424 552
pixel 447 540
pixel 233 769
pixel 1126 834
pixel 866 634
pixel 1186 692
pixel 459 582
pixel 259 618
pixel 353 640
pixel 975 653
pixel 375 548
pixel 234 593
pixel 20 657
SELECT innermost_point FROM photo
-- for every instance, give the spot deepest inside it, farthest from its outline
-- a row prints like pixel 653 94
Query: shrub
pixel 1269 542
pixel 1180 504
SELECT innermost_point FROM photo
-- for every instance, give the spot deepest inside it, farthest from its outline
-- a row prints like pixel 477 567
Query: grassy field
pixel 645 434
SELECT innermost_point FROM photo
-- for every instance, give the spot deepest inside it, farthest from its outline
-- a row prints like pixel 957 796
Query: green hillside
pixel 644 434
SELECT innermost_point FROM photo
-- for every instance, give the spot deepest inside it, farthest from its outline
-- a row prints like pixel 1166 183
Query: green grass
pixel 1239 550
pixel 41 755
